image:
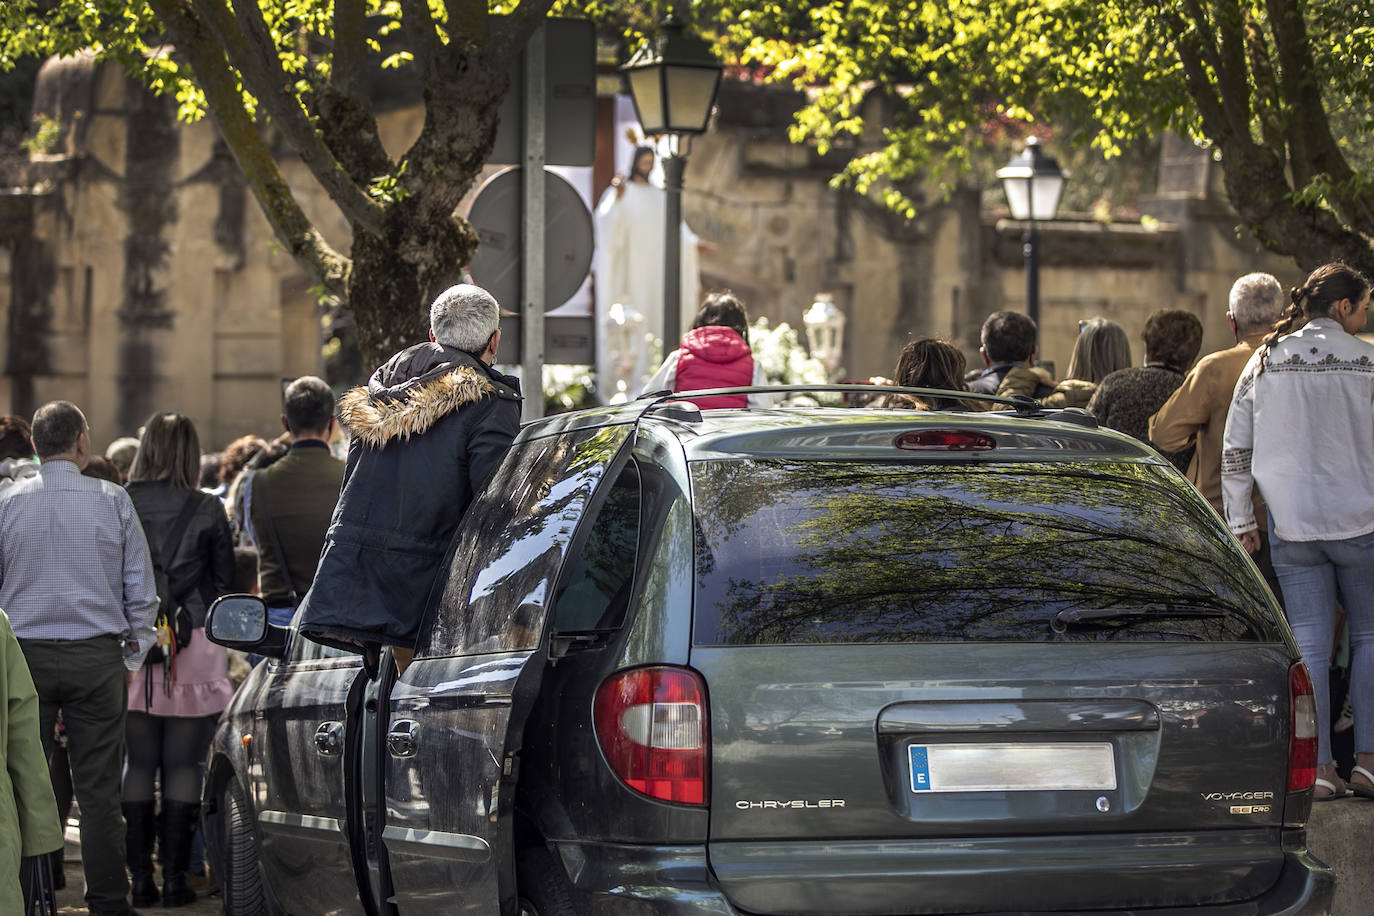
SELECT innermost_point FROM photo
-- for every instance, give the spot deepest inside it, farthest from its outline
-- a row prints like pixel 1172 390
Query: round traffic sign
pixel 496 216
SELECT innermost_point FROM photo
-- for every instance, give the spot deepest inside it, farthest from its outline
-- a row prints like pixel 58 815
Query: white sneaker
pixel 1346 720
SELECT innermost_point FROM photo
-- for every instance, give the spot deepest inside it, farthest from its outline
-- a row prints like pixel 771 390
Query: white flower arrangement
pixel 778 351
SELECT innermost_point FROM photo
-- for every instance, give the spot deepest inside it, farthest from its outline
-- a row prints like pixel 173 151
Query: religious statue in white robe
pixel 630 234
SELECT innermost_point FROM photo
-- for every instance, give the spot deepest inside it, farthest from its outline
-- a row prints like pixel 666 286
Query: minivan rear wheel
pixel 544 886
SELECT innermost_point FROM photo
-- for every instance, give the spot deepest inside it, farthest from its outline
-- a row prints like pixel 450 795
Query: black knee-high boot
pixel 141 827
pixel 178 818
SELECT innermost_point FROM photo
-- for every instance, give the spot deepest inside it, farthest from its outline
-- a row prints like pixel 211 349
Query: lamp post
pixel 1033 182
pixel 673 80
pixel 824 324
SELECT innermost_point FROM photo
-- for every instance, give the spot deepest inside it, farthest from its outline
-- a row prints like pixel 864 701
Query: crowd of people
pixel 108 564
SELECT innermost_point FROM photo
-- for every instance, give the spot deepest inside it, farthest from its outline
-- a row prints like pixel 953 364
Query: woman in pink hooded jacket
pixel 714 354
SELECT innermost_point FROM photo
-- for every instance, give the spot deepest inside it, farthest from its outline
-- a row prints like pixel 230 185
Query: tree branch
pixel 424 38
pixel 251 49
pixel 1233 78
pixel 1268 106
pixel 348 77
pixel 1257 183
pixel 345 111
pixel 1312 147
pixel 1191 54
pixel 1219 55
pixel 220 84
pixel 467 20
pixel 520 25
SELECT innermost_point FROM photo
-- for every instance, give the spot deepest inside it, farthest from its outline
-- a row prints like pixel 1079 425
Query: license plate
pixel 1012 767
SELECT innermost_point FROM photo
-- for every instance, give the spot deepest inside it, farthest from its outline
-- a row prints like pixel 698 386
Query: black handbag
pixel 36 879
pixel 171 616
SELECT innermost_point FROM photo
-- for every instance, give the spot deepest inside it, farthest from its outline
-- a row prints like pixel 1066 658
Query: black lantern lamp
pixel 1033 183
pixel 673 80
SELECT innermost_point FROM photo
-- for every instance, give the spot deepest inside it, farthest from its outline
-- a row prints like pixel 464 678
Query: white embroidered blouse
pixel 1303 432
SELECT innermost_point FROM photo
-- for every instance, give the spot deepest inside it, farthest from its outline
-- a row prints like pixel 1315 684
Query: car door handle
pixel 329 739
pixel 400 741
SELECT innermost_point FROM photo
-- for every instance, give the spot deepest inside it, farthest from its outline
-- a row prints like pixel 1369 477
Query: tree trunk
pixel 424 247
pixel 396 276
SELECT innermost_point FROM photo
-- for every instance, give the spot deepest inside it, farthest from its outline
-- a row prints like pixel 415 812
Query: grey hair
pixel 121 452
pixel 464 317
pixel 1256 301
pixel 1101 349
pixel 56 427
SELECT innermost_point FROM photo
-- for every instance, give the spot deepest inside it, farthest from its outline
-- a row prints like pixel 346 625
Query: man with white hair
pixel 1196 412
pixel 425 433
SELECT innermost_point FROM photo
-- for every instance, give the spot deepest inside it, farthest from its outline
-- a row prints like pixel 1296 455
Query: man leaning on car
pixel 426 432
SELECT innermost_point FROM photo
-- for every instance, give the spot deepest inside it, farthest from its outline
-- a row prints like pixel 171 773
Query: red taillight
pixel 651 724
pixel 1302 736
pixel 945 440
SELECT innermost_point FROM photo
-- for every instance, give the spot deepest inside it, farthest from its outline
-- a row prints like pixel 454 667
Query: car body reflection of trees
pixel 848 552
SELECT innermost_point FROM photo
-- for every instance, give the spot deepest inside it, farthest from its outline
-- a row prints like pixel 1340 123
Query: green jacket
pixel 299 492
pixel 28 810
pixel 1072 392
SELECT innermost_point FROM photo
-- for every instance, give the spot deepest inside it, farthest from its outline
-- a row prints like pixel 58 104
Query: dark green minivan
pixel 796 661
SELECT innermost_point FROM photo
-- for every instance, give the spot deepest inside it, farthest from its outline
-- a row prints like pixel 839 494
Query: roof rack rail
pixel 1022 405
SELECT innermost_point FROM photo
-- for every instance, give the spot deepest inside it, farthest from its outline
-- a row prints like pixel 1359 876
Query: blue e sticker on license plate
pixel 920 768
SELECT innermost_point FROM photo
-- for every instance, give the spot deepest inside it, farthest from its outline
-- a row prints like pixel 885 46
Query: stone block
pixel 247 355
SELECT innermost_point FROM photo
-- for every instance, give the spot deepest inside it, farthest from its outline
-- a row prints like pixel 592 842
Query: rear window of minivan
pixel 796 552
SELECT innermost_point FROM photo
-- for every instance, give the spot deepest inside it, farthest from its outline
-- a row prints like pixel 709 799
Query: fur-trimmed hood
pixel 417 388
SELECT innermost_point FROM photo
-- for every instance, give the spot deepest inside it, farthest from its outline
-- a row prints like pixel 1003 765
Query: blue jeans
pixel 1315 577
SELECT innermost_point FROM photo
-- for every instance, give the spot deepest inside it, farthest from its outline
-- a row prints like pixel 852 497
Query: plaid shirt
pixel 74 563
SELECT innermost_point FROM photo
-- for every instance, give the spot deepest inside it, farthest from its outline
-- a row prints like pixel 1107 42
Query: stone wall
pixel 148 281
pixel 781 234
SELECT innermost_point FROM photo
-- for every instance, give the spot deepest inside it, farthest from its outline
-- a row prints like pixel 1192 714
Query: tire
pixel 242 880
pixel 544 886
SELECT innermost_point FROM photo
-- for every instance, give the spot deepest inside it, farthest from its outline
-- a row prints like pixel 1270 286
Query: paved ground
pixel 70 902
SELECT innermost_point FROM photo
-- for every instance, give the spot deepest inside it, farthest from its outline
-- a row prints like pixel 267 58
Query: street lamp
pixel 673 81
pixel 824 324
pixel 1033 182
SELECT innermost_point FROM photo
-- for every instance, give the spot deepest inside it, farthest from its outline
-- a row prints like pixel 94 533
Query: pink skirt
pixel 198 686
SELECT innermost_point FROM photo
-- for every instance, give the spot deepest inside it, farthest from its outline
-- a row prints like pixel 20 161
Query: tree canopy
pixel 303 66
pixel 1281 90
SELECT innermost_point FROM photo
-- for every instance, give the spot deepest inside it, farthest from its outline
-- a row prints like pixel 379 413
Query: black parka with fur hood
pixel 428 430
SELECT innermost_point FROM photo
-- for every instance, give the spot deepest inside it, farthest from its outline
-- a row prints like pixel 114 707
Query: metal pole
pixel 533 230
pixel 1032 253
pixel 673 167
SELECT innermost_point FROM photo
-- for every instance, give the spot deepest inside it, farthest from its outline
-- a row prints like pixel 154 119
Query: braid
pixel 1284 325
pixel 1325 287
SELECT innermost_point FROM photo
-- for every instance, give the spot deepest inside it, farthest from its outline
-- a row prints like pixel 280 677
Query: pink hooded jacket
pixel 714 357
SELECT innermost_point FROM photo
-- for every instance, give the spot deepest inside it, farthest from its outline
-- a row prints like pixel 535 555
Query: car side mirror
pixel 240 622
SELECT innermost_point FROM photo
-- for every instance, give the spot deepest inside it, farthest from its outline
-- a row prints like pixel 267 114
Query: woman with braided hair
pixel 1301 428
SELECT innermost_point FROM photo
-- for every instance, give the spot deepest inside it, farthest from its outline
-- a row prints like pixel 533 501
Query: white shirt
pixel 1303 432
pixel 665 379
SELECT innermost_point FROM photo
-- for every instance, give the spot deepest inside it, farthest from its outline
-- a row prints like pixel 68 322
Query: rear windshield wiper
pixel 1064 619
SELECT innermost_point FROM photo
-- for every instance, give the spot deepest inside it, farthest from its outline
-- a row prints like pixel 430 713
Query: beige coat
pixel 1196 414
